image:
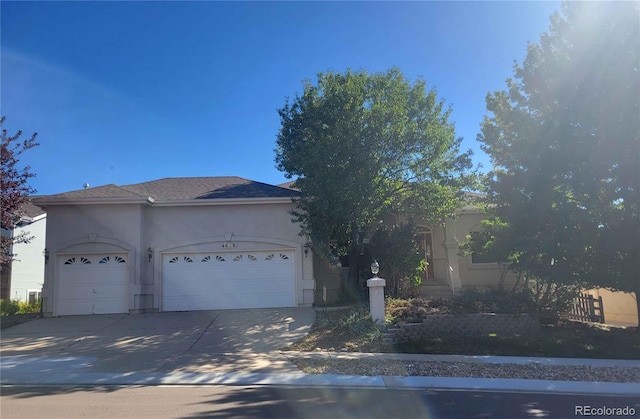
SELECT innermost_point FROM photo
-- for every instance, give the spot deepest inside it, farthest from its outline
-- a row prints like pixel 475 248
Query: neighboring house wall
pixel 25 274
pixel 620 308
pixel 27 270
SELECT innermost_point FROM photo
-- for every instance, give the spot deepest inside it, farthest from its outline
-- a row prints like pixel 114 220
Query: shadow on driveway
pixel 185 341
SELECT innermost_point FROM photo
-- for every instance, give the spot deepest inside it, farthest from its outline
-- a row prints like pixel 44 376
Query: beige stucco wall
pixel 463 273
pixel 620 308
pixel 476 275
pixel 137 228
pixel 91 229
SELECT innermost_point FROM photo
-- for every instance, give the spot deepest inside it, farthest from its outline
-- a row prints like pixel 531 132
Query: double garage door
pixel 209 281
pixel 99 283
pixel 93 284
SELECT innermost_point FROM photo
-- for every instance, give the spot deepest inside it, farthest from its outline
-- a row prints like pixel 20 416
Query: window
pixel 33 296
pixel 478 258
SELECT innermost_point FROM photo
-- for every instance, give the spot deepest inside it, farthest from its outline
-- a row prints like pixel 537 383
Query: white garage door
pixel 93 284
pixel 210 281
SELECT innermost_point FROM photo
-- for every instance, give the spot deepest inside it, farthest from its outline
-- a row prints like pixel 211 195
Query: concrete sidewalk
pixel 74 370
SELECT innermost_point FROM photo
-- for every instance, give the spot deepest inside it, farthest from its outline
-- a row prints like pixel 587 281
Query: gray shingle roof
pixel 30 210
pixel 184 188
pixel 106 191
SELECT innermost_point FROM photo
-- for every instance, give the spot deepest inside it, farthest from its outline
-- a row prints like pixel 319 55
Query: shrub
pixel 414 310
pixel 493 300
pixel 29 308
pixel 8 307
pixel 358 322
pixel 11 307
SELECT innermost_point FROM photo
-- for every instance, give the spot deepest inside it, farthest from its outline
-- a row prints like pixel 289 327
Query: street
pixel 269 401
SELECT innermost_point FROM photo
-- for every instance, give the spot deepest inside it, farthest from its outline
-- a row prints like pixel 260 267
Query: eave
pixel 43 203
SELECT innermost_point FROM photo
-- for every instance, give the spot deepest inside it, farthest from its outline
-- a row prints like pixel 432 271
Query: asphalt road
pixel 251 402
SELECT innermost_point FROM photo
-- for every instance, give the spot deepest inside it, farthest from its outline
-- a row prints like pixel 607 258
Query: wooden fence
pixel 587 308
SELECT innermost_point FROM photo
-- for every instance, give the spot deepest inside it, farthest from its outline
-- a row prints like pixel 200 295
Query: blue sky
pixel 126 92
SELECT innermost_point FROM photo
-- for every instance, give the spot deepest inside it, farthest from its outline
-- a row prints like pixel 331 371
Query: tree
pixel 398 253
pixel 14 188
pixel 362 145
pixel 564 142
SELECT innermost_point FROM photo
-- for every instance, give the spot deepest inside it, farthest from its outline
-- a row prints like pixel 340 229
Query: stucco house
pixel 22 278
pixel 447 272
pixel 174 244
pixel 178 244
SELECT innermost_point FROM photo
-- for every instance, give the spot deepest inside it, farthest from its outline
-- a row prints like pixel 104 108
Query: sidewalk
pixel 75 370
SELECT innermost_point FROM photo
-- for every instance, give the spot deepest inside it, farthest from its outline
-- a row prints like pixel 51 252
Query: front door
pixel 426 249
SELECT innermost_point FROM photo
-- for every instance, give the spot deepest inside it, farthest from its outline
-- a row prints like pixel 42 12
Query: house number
pixel 228 245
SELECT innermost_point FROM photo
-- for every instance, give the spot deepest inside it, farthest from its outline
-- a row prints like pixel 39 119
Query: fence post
pixel 601 309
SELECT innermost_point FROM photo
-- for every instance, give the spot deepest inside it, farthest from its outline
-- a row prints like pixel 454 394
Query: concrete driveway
pixel 198 341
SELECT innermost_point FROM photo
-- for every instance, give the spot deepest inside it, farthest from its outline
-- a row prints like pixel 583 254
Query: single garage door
pixel 93 284
pixel 210 281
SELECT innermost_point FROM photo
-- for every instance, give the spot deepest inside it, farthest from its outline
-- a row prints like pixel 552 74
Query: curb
pixel 321 380
pixel 70 370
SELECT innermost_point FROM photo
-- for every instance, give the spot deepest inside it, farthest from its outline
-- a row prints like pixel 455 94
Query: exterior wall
pixel 452 268
pixel 27 271
pixel 147 232
pixel 90 229
pixel 476 275
pixel 205 228
pixel 620 308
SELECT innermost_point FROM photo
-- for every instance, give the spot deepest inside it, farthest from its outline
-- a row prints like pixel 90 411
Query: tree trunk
pixel 353 275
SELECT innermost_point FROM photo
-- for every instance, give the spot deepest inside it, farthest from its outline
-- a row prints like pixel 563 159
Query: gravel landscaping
pixel 372 367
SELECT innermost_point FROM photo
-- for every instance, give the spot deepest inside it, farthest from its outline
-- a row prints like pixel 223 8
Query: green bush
pixel 29 308
pixel 11 307
pixel 355 322
pixel 8 307
pixel 414 310
pixel 358 321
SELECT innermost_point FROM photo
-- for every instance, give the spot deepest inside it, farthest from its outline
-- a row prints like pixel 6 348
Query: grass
pixel 353 331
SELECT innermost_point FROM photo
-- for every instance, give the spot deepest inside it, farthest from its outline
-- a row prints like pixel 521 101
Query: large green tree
pixel 564 141
pixel 362 145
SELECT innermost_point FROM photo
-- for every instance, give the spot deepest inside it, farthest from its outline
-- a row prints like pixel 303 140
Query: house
pixel 174 244
pixel 22 278
pixel 448 271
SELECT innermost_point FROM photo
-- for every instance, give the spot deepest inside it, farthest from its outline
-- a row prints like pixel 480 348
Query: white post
pixel 376 298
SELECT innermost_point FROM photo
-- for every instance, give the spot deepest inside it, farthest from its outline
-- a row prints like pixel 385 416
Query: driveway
pixel 198 341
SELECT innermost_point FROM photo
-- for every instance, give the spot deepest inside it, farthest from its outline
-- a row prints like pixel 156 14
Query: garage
pixel 93 284
pixel 227 280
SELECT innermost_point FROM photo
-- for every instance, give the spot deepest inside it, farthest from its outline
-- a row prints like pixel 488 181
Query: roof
pixel 177 189
pixel 30 211
pixel 288 185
